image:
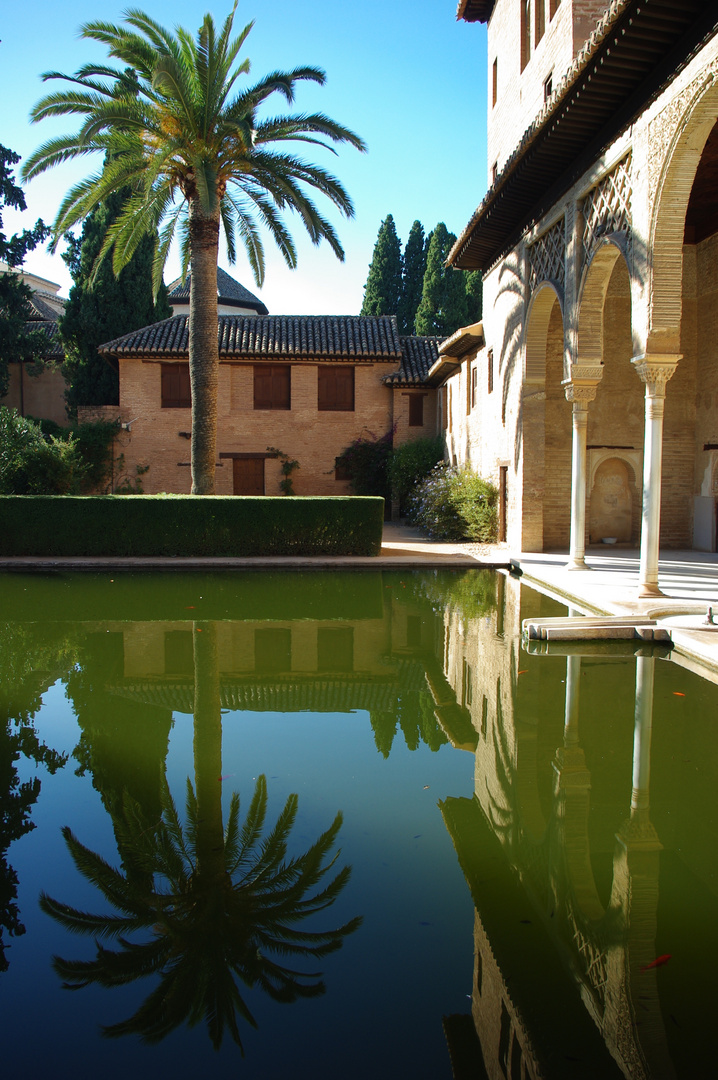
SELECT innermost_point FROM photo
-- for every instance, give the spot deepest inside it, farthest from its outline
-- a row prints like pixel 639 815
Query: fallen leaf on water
pixel 677 693
pixel 524 671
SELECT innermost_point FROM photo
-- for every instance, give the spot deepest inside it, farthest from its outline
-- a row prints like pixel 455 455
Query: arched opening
pixel 696 381
pixel 683 318
pixel 616 416
pixel 546 424
pixel 614 504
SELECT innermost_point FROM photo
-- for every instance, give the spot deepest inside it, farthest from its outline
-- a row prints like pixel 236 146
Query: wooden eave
pixel 475 10
pixel 463 341
pixel 623 67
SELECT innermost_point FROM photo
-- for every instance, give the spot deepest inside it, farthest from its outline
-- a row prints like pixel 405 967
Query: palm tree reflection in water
pixel 219 904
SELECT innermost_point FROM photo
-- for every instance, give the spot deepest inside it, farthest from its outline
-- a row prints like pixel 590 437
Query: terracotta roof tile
pixel 418 354
pixel 300 337
pixel 229 291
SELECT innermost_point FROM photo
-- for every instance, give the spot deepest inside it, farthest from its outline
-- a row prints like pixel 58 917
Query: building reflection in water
pixel 567 931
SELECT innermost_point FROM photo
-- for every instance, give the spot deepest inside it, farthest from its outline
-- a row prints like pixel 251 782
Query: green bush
pixel 455 504
pixel 409 464
pixel 189 525
pixel 366 463
pixel 39 457
pixel 32 463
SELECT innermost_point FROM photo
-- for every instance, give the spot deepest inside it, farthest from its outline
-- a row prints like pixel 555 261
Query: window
pixel 272 650
pixel 539 19
pixel 495 82
pixel 272 386
pixel 525 32
pixel 335 648
pixel 335 386
pixel 494 172
pixel 553 7
pixel 548 87
pixel 341 471
pixel 474 385
pixel 176 392
pixel 179 653
pixel 416 410
pixel 491 371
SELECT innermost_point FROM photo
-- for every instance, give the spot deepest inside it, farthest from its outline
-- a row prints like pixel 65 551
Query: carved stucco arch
pixel 592 298
pixel 685 125
pixel 538 317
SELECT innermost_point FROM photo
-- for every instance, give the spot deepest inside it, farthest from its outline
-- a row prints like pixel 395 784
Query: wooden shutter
pixel 335 389
pixel 272 386
pixel 176 393
pixel 416 410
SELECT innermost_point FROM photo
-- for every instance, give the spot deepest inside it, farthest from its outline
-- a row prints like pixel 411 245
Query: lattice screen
pixel 607 208
pixel 547 257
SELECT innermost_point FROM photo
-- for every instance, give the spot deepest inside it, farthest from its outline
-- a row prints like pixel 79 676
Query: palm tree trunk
pixel 208 752
pixel 203 348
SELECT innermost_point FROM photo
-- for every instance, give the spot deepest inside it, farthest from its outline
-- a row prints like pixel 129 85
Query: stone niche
pixel 614 501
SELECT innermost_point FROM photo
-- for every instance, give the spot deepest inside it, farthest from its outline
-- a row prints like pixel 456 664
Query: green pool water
pixel 346 825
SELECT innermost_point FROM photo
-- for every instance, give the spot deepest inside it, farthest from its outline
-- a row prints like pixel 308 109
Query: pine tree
pixel 383 285
pixel 103 310
pixel 443 308
pixel 412 277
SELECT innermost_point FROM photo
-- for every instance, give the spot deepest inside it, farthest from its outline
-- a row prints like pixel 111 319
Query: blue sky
pixel 404 74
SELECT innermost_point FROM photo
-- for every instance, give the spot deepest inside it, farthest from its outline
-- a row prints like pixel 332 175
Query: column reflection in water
pixel 539 913
pixel 206 905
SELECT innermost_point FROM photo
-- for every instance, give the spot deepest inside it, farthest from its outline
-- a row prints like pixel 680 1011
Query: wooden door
pixel 248 475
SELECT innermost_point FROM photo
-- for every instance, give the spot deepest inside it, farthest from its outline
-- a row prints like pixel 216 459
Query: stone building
pixel 306 386
pixel 40 394
pixel 589 393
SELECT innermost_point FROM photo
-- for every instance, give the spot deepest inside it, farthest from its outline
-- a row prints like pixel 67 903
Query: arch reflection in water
pixel 566 867
pixel 202 905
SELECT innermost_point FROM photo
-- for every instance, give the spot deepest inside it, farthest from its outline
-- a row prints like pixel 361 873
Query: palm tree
pixel 174 125
pixel 209 904
pixel 200 930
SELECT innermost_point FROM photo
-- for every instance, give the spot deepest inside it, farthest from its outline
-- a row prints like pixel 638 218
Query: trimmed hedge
pixel 189 525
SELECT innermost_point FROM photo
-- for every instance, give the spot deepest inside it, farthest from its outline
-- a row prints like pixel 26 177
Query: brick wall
pixel 40 396
pixel 313 438
pixel 520 95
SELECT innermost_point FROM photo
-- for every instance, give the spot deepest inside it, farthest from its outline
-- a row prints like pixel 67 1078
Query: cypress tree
pixel 443 307
pixel 383 285
pixel 412 277
pixel 474 294
pixel 109 307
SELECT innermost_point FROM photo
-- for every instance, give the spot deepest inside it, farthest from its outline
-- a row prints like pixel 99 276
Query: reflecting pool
pixel 347 825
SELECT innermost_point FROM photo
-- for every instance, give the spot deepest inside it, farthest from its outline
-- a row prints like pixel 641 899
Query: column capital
pixel 655 369
pixel 582 383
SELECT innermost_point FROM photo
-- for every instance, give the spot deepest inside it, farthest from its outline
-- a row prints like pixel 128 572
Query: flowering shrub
pixel 455 504
pixel 365 463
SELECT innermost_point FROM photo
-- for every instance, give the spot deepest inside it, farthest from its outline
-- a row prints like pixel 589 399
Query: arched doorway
pixel 614 438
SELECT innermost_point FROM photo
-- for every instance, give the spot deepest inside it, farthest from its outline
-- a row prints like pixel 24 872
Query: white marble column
pixel 655 371
pixel 580 389
pixel 642 730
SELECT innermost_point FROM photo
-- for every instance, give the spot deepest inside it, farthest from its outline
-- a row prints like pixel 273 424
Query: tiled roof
pixel 418 355
pixel 229 292
pixel 42 310
pixel 301 337
pixel 53 350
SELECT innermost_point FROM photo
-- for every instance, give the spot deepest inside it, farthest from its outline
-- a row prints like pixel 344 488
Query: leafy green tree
pixel 187 138
pixel 32 463
pixel 382 291
pixel 413 268
pixel 32 657
pixel 103 306
pixel 443 307
pixel 200 905
pixel 16 341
